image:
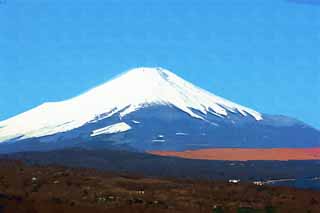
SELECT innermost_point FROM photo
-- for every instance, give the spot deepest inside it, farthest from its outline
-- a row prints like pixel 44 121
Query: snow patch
pixel 158 141
pixel 115 128
pixel 182 133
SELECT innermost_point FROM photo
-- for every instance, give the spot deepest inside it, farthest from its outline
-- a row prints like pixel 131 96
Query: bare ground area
pixel 240 154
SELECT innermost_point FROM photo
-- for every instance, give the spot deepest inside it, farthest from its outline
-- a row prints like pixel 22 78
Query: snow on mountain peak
pixel 126 93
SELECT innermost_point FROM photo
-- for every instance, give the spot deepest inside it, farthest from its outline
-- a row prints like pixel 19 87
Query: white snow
pixel 181 133
pixel 130 91
pixel 158 141
pixel 115 128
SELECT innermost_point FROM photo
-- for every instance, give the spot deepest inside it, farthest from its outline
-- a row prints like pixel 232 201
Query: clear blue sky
pixel 260 53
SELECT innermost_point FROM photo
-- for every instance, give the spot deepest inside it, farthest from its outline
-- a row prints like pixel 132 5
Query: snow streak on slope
pixel 127 93
pixel 115 128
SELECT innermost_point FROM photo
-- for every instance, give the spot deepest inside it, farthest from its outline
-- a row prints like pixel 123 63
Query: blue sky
pixel 261 54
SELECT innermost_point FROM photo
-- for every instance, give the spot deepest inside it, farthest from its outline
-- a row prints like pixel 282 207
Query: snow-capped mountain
pixel 131 91
pixel 147 107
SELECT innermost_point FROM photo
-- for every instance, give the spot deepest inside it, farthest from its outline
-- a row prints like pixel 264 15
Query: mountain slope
pixel 151 109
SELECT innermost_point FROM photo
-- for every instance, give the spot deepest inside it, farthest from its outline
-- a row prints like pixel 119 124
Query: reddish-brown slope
pixel 239 154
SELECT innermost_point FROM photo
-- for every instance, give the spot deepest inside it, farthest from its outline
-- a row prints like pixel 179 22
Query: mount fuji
pixel 150 109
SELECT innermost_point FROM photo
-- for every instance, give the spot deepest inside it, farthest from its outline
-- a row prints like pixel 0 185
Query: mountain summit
pixel 147 107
